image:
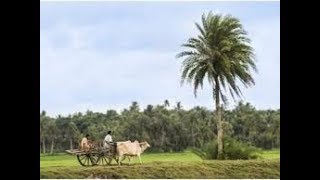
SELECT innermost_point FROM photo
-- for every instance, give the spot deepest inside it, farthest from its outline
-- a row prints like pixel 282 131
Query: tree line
pixel 167 129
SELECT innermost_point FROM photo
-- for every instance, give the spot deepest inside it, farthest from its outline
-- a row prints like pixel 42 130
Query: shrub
pixel 232 150
pixel 238 150
pixel 208 151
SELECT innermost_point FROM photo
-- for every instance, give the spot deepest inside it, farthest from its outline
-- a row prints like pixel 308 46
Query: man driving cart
pixel 108 143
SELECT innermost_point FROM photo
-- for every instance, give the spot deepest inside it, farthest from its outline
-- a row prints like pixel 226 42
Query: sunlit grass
pixel 164 165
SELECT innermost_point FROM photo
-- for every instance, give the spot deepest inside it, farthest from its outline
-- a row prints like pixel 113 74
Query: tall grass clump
pixel 233 150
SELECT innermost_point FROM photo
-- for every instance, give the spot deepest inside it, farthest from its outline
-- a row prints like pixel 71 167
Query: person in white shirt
pixel 108 140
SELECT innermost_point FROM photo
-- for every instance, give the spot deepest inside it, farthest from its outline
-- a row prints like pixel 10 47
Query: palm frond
pixel 201 30
pixel 184 53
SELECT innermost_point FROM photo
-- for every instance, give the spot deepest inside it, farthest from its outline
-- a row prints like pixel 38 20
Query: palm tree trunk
pixel 219 125
pixel 71 143
pixel 163 137
pixel 43 146
pixel 192 135
pixel 52 145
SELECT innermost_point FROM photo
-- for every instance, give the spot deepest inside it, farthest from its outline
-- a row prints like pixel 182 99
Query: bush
pixel 237 150
pixel 208 151
pixel 232 150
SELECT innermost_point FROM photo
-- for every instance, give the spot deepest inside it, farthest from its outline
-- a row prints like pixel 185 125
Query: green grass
pixel 164 165
pixel 65 160
pixel 272 154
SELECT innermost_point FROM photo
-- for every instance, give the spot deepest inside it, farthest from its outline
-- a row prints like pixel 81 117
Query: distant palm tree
pixel 179 105
pixel 222 54
pixel 166 103
pixel 134 106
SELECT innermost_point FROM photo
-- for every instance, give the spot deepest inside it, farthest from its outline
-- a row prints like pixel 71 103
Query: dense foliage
pixel 165 128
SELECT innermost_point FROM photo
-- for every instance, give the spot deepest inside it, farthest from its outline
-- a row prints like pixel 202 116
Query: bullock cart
pixel 93 156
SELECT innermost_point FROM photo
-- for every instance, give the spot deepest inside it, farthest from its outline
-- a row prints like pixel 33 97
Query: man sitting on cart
pixel 85 143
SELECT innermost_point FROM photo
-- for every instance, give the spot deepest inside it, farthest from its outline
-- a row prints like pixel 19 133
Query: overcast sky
pixel 104 55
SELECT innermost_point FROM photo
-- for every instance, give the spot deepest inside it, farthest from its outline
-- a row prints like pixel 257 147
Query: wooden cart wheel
pixel 87 159
pixel 103 160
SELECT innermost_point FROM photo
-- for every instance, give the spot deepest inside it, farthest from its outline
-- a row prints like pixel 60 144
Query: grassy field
pixel 273 154
pixel 164 165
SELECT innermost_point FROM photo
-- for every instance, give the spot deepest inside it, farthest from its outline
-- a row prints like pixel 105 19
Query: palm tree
pixel 222 54
pixel 43 131
pixel 52 131
pixel 71 131
pixel 179 105
pixel 134 106
pixel 148 110
pixel 166 103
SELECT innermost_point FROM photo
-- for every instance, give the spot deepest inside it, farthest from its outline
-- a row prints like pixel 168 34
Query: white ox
pixel 130 149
